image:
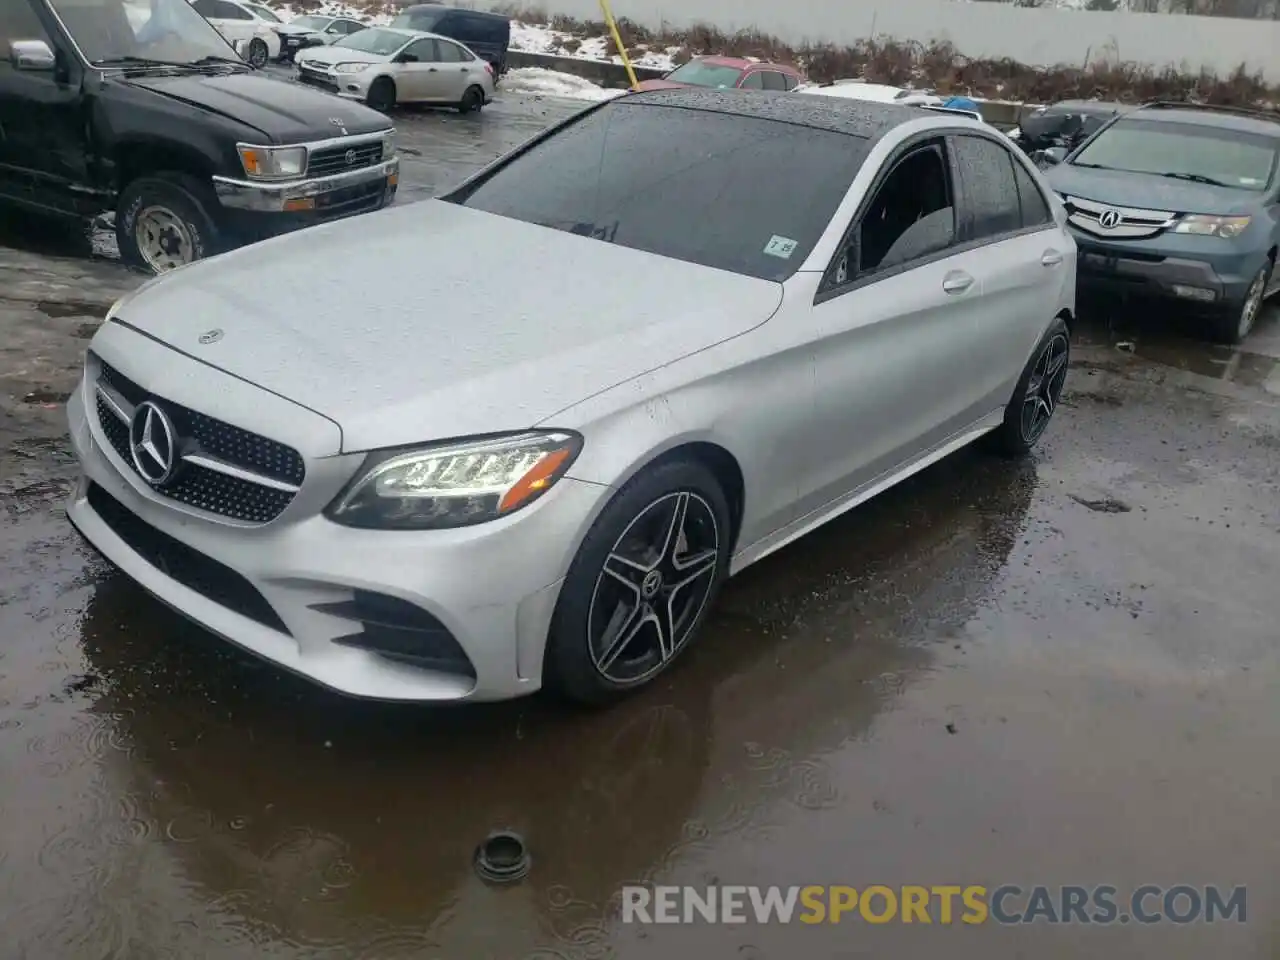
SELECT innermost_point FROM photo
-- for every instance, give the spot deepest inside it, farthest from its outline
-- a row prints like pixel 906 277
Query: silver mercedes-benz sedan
pixel 521 433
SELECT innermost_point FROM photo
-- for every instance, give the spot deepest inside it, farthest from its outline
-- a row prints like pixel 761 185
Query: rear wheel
pixel 472 100
pixel 164 221
pixel 382 94
pixel 258 52
pixel 1237 320
pixel 641 585
pixel 1035 399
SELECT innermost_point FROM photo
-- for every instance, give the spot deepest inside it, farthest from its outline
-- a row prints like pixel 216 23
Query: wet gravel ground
pixel 1058 671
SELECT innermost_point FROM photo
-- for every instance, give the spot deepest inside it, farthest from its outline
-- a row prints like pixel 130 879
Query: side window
pixel 753 81
pixel 207 9
pixel 910 215
pixel 450 52
pixel 791 82
pixel 991 192
pixel 351 26
pixel 229 11
pixel 1035 209
pixel 424 50
pixel 773 80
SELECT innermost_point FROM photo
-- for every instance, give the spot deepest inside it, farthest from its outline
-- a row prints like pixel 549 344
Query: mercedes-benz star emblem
pixel 1109 219
pixel 351 157
pixel 210 336
pixel 153 443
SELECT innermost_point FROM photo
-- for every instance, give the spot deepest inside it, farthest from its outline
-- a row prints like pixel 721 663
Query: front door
pixel 894 320
pixel 43 159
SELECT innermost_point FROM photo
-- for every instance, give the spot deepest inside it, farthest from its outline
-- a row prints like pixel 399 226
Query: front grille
pixel 400 631
pixel 273 471
pixel 344 157
pixel 1130 223
pixel 201 574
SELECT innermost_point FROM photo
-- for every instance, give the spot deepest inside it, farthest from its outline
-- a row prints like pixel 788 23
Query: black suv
pixel 143 109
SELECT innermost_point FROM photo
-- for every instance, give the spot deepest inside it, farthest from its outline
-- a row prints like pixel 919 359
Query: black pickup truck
pixel 143 109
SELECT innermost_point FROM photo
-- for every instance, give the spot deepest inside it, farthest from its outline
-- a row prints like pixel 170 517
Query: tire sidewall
pixel 257 43
pixel 568 665
pixel 382 95
pixel 154 191
pixel 472 100
pixel 1008 437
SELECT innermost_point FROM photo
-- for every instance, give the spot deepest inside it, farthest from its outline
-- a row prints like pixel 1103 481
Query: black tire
pixel 1233 323
pixel 640 508
pixel 472 100
pixel 258 53
pixel 382 94
pixel 183 198
pixel 1034 400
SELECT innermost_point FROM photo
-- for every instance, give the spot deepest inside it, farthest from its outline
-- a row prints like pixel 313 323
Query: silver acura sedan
pixel 715 321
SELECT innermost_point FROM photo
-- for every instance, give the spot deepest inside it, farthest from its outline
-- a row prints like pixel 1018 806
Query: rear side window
pixel 450 52
pixel 790 81
pixel 774 80
pixel 482 29
pixel 687 184
pixel 1035 210
pixel 990 190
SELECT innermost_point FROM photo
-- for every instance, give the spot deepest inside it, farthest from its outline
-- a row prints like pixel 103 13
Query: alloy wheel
pixel 1044 387
pixel 164 240
pixel 654 585
pixel 1252 304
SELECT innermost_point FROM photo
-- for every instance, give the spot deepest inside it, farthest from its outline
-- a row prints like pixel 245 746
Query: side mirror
pixel 33 55
pixel 406 58
pixel 1050 156
pixel 332 31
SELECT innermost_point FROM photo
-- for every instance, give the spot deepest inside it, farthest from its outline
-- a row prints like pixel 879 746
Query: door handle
pixel 431 69
pixel 1051 258
pixel 956 282
pixel 465 70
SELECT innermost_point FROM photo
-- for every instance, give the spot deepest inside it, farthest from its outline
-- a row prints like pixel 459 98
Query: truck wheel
pixel 164 222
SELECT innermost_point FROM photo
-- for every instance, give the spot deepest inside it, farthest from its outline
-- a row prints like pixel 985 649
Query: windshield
pixel 266 13
pixel 708 188
pixel 382 42
pixel 1229 158
pixel 418 20
pixel 698 73
pixel 311 23
pixel 166 30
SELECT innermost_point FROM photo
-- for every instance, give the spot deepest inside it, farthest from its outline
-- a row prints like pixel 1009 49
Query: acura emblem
pixel 210 336
pixel 351 157
pixel 1109 219
pixel 153 444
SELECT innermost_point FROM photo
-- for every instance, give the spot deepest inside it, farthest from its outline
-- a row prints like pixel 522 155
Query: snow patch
pixel 537 81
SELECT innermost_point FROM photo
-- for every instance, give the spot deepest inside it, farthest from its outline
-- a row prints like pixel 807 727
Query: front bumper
pixel 323 197
pixel 1145 269
pixel 290 46
pixel 492 587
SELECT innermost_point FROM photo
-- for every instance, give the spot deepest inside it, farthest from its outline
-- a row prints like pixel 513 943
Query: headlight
pixel 1208 226
pixel 272 163
pixel 454 485
pixel 389 144
pixel 350 67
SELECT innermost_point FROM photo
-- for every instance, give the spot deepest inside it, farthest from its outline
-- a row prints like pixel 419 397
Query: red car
pixel 729 73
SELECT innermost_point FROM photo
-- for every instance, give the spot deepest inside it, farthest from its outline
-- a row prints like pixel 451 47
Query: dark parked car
pixel 1064 124
pixel 1181 201
pixel 728 73
pixel 150 114
pixel 487 34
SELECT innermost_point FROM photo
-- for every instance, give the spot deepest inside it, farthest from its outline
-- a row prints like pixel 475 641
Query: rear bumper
pixel 1143 270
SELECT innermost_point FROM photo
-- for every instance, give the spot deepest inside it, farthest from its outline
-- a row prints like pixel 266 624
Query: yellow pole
pixel 617 39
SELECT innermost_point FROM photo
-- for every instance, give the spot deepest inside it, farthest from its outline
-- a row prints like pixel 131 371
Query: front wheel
pixel 1236 320
pixel 641 585
pixel 381 95
pixel 258 53
pixel 1035 398
pixel 163 222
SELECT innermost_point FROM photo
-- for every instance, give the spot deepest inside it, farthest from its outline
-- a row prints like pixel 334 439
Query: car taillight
pixel 489 66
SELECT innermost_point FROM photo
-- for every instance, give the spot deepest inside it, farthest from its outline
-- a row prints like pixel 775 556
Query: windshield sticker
pixel 781 247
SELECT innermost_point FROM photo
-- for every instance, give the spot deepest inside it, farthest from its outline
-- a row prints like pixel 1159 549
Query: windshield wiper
pixel 1195 178
pixel 1094 166
pixel 213 58
pixel 132 61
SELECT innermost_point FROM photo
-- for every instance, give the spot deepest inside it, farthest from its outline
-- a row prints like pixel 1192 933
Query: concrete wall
pixel 1035 37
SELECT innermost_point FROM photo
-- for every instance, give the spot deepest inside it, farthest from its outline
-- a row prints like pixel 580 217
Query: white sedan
pixel 384 66
pixel 244 29
pixel 874 92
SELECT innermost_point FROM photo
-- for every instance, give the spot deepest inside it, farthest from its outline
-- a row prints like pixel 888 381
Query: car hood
pixel 290 30
pixel 1148 192
pixel 333 54
pixel 431 320
pixel 282 112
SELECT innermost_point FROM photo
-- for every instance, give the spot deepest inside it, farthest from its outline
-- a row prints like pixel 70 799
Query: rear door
pixel 894 319
pixel 457 70
pixel 1007 220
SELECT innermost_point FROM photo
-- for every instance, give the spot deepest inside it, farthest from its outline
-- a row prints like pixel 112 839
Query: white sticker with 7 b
pixel 781 247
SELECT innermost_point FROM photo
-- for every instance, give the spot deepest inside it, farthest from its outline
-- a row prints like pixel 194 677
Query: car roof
pixel 1268 125
pixel 486 14
pixel 856 118
pixel 1107 106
